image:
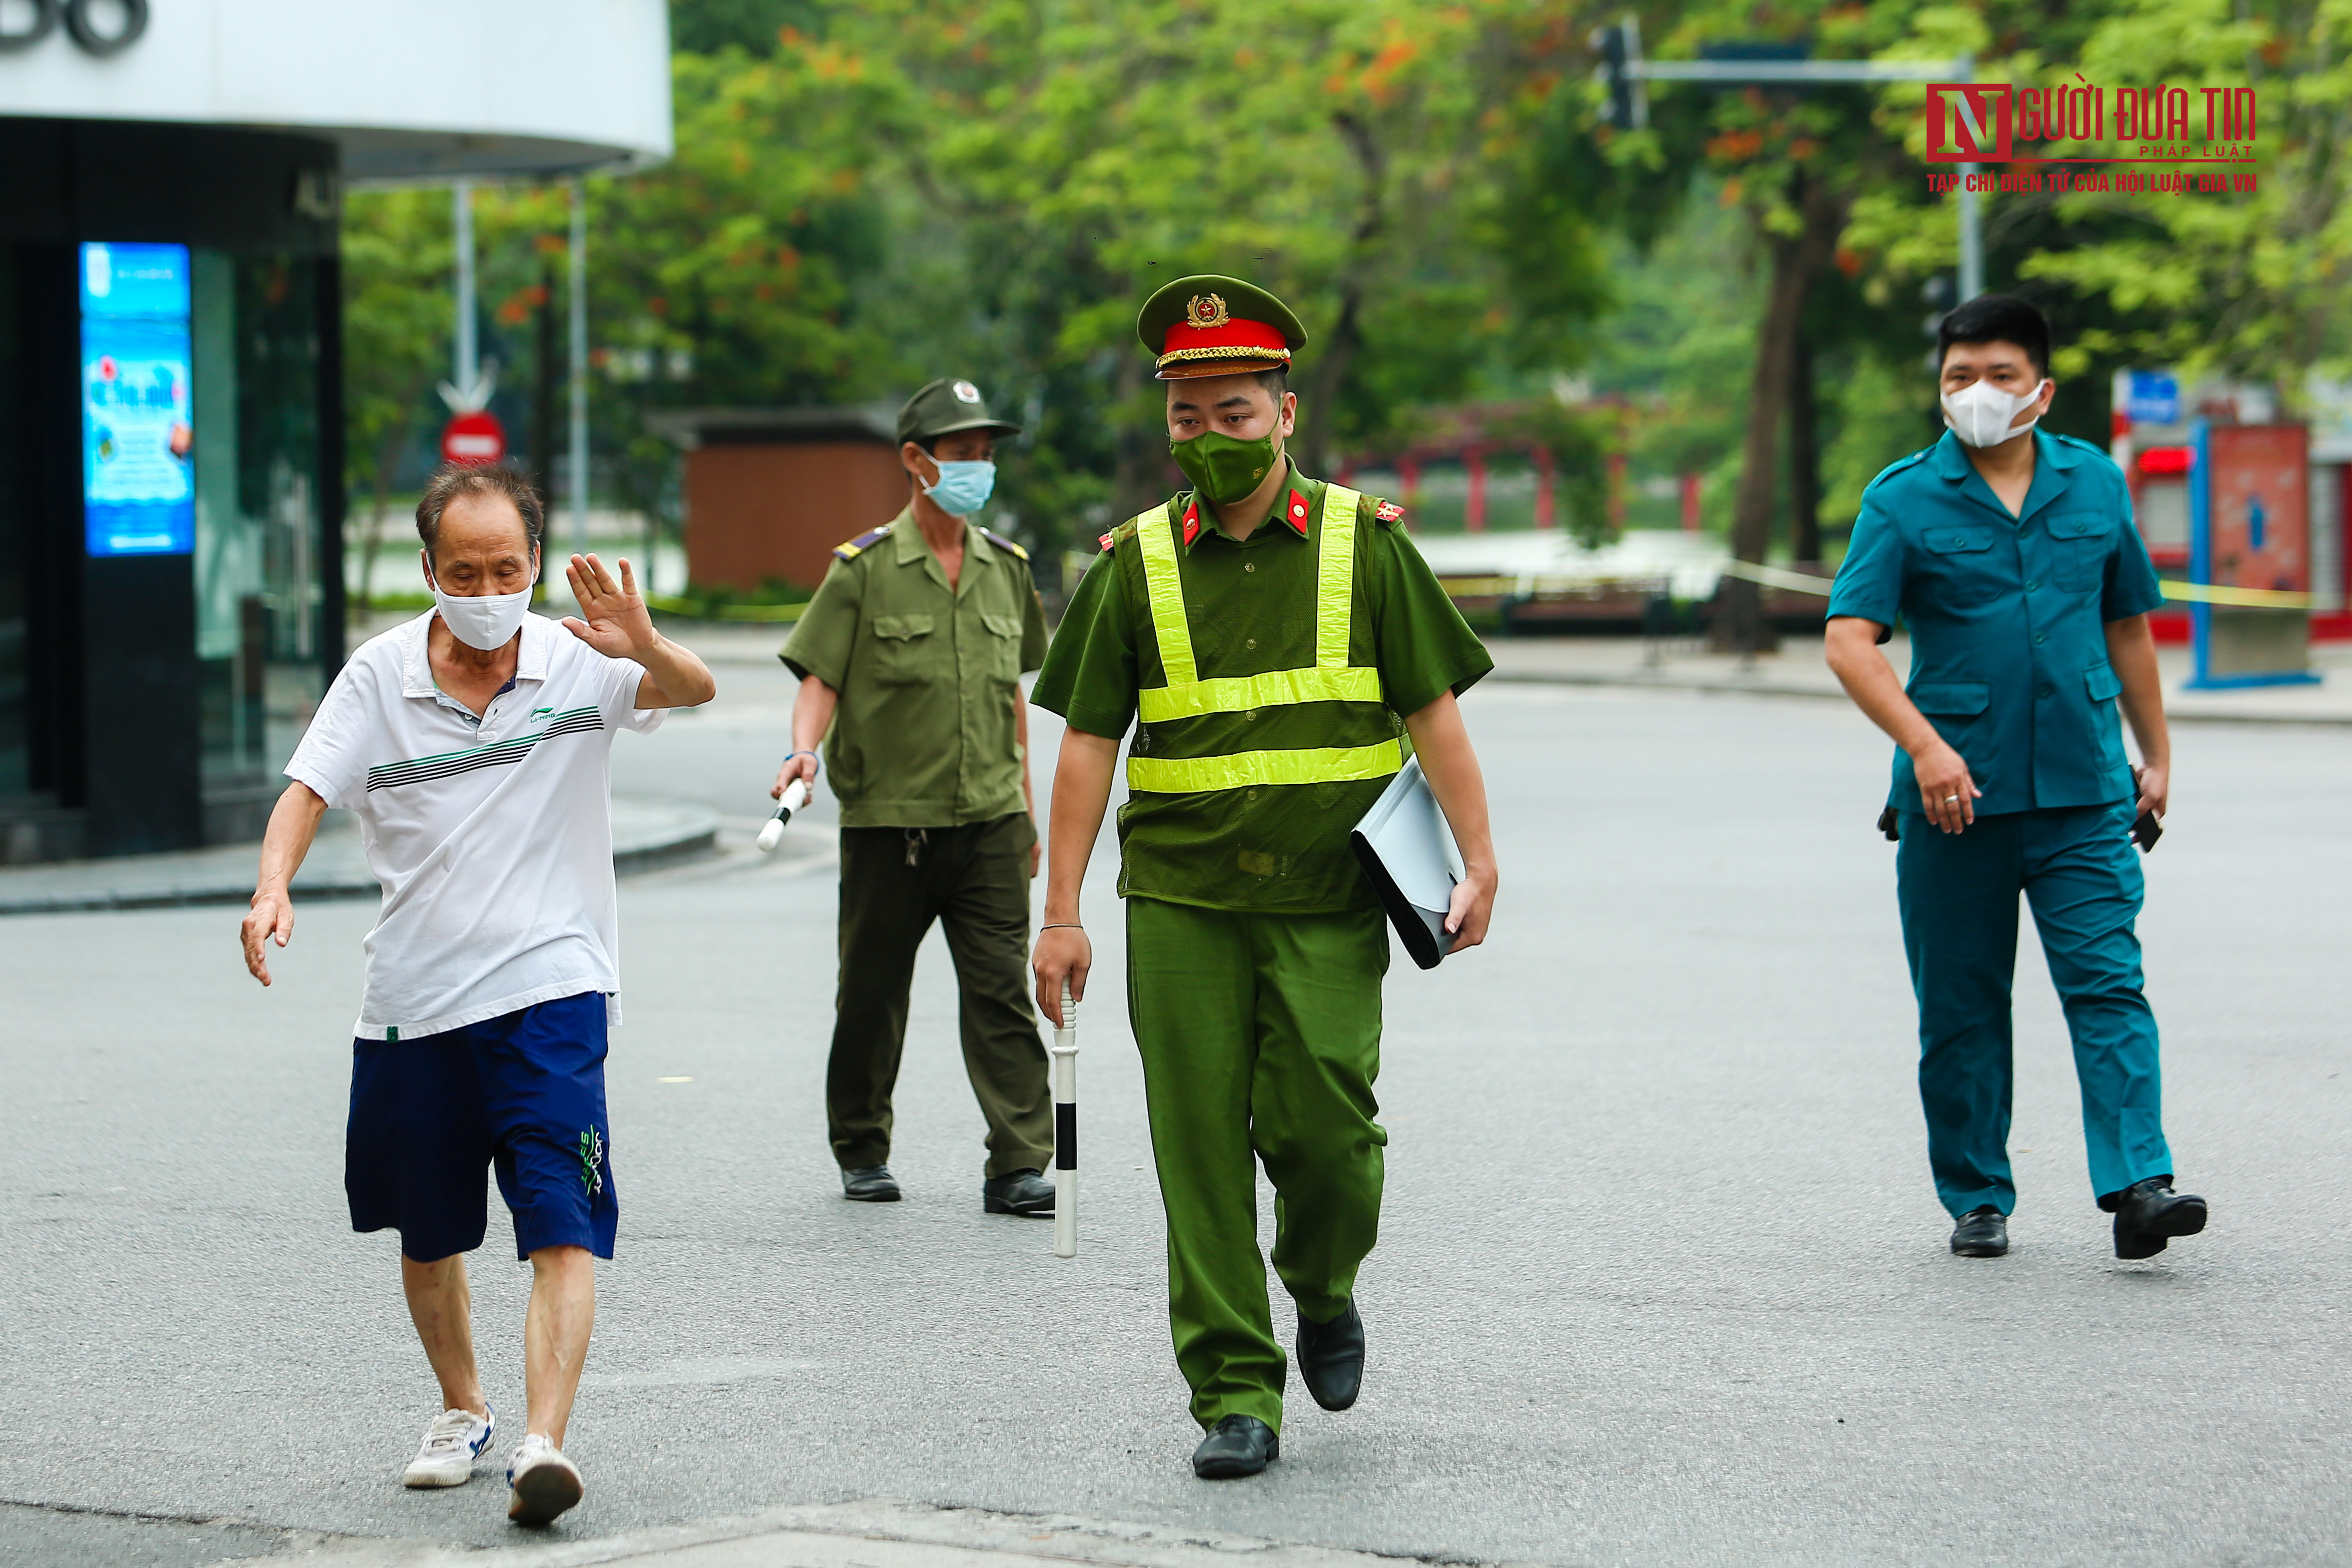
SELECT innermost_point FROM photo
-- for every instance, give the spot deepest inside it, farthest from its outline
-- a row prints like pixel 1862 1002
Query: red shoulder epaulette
pixel 1387 511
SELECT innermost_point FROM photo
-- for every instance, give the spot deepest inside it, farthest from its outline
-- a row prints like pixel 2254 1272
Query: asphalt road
pixel 1662 1281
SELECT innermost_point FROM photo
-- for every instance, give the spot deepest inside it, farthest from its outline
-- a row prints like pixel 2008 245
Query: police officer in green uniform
pixel 1282 643
pixel 911 657
pixel 2011 555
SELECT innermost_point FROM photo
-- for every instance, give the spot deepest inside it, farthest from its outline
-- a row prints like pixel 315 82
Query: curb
pixel 646 835
pixel 878 1533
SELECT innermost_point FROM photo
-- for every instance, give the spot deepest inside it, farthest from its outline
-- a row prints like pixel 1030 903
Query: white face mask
pixel 1979 412
pixel 484 620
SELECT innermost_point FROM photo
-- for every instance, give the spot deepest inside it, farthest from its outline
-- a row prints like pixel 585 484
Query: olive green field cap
pixel 1212 325
pixel 946 407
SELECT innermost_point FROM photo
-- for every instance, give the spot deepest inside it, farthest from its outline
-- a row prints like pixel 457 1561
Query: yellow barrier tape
pixel 772 614
pixel 1774 577
pixel 2253 598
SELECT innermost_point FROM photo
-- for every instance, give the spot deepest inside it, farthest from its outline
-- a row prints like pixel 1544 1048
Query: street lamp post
pixel 468 351
pixel 578 346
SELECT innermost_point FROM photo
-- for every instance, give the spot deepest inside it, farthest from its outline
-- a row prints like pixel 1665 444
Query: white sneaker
pixel 545 1483
pixel 452 1444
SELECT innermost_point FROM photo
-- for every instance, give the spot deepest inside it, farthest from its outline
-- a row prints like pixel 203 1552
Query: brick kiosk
pixel 770 491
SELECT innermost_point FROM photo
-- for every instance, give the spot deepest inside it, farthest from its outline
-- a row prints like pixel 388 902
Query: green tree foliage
pixel 866 195
pixel 397 333
pixel 2251 285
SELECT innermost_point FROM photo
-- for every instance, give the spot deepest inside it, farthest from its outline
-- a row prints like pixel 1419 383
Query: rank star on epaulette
pixel 1191 522
pixel 1295 513
pixel 1387 511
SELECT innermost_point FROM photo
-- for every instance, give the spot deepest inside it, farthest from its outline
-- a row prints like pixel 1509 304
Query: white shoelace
pixel 450 1429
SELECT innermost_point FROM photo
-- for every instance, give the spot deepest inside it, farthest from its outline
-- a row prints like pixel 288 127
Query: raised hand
pixel 612 618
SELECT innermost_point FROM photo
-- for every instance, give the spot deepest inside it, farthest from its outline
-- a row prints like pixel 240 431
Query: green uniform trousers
pixel 974 881
pixel 1260 1036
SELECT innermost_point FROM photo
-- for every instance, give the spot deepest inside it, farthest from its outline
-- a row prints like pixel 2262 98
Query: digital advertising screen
pixel 138 427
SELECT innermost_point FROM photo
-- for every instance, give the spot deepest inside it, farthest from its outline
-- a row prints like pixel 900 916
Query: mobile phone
pixel 2146 830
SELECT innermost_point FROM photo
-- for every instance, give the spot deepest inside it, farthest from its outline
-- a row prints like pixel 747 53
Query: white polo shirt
pixel 493 838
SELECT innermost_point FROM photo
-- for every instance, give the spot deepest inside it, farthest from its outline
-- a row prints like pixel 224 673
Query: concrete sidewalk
pixel 644 833
pixel 1797 671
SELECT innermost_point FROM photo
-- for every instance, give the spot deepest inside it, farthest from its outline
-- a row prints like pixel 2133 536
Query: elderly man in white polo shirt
pixel 473 743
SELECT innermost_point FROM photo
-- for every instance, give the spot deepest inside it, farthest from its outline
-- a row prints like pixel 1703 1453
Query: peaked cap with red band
pixel 1211 325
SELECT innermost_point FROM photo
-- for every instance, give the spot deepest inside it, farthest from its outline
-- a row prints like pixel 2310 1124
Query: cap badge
pixel 965 391
pixel 1207 311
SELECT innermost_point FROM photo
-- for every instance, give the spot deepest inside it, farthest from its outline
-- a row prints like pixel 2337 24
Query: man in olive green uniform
pixel 1280 639
pixel 910 658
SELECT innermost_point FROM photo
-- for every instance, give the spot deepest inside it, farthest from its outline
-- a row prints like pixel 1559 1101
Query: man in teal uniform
pixel 2011 555
pixel 1279 639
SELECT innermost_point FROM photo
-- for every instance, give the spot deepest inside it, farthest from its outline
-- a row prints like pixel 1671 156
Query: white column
pixel 468 353
pixel 579 313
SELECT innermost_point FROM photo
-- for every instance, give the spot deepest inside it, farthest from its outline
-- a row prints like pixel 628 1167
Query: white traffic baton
pixel 1065 1128
pixel 772 832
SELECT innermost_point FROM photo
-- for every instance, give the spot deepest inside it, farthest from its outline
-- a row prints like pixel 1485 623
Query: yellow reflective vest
pixel 1329 679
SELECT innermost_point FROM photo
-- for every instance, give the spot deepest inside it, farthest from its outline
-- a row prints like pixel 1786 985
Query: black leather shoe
pixel 1332 1358
pixel 1236 1446
pixel 2149 1214
pixel 870 1184
pixel 1025 1193
pixel 1981 1233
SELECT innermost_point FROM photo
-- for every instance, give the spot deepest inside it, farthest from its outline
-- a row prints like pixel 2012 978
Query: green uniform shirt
pixel 929 676
pixel 1251 605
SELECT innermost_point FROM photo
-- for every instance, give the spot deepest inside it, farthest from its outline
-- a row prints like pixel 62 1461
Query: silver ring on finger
pixel 1951 799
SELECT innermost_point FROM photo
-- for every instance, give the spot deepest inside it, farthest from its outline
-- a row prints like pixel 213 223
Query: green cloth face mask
pixel 1221 469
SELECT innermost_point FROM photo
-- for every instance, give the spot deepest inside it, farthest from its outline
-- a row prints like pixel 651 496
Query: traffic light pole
pixel 1625 71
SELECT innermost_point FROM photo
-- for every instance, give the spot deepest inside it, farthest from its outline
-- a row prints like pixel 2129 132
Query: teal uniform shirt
pixel 2007 616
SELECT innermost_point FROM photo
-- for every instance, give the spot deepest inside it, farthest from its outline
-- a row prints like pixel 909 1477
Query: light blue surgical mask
pixel 963 488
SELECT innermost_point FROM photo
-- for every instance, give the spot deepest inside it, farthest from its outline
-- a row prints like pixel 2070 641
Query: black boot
pixel 2149 1214
pixel 870 1184
pixel 1236 1446
pixel 1981 1233
pixel 1332 1358
pixel 1026 1193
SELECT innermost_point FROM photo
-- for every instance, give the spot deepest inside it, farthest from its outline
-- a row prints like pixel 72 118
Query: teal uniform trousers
pixel 1958 894
pixel 2008 614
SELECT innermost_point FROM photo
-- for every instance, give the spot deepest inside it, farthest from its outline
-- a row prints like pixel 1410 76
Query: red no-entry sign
pixel 475 437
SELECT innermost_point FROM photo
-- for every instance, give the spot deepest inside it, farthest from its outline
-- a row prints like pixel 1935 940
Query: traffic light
pixel 1618 45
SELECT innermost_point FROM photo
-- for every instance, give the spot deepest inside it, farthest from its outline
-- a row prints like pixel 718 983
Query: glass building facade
pixel 171 496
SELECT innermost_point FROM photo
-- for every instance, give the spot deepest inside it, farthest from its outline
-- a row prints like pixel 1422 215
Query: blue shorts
pixel 524 1093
